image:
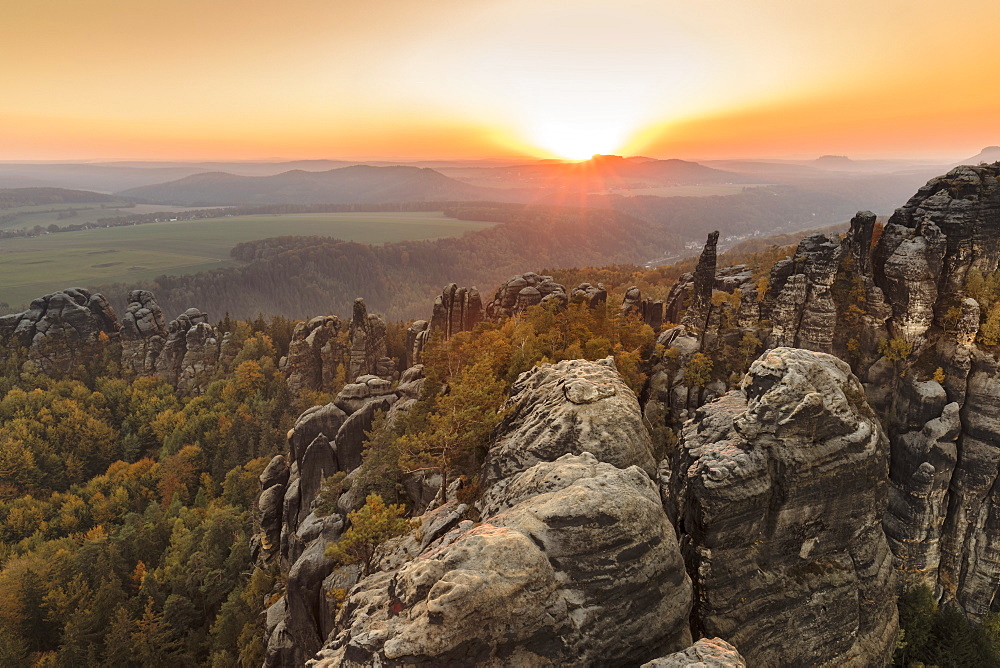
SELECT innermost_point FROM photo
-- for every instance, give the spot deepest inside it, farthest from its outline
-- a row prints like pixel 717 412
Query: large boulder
pixel 574 406
pixel 779 489
pixel 706 653
pixel 572 554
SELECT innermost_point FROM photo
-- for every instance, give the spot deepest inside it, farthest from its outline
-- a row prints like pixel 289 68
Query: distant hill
pixel 106 178
pixel 15 197
pixel 358 184
pixel 602 173
pixel 988 154
pixel 611 170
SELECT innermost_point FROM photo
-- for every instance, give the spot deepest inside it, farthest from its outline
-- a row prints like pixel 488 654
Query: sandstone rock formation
pixel 592 295
pixel 316 354
pixel 368 347
pixel 572 555
pixel 520 292
pixel 324 441
pixel 61 330
pixel 648 310
pixel 455 310
pixel 191 351
pixel 706 653
pixel 143 333
pixel 778 490
pixel 942 521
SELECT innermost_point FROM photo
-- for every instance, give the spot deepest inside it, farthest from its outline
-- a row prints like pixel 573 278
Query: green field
pixel 71 214
pixel 35 266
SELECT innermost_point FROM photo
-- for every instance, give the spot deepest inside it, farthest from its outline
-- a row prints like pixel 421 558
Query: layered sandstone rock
pixel 593 295
pixel 368 346
pixel 455 310
pixel 520 292
pixel 295 531
pixel 573 561
pixel 191 352
pixel 143 333
pixel 800 301
pixel 778 490
pixel 944 429
pixel 648 310
pixel 316 354
pixel 61 330
pixel 706 653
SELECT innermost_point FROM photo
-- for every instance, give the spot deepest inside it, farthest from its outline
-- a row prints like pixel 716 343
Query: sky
pixel 467 79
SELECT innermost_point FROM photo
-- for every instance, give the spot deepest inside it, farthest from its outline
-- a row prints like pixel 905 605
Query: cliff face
pixel 943 521
pixel 778 491
pixel 574 559
pixel 901 307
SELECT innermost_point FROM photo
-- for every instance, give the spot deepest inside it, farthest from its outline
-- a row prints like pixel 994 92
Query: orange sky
pixel 404 79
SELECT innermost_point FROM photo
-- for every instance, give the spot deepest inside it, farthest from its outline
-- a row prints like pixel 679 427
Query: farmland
pixel 31 267
pixel 72 214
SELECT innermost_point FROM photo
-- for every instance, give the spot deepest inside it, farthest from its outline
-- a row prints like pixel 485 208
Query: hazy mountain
pixel 988 154
pixel 84 176
pixel 602 173
pixel 359 184
pixel 14 197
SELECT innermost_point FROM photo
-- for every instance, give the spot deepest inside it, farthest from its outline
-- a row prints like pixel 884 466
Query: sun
pixel 577 139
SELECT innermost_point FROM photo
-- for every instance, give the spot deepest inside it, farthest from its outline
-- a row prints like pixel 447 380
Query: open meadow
pixel 31 267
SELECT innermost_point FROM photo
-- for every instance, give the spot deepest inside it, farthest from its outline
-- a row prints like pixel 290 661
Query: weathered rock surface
pixel 368 347
pixel 191 352
pixel 800 301
pixel 316 354
pixel 647 310
pixel 573 406
pixel 324 441
pixel 455 310
pixel 706 653
pixel 61 330
pixel 592 295
pixel 779 490
pixel 942 521
pixel 573 552
pixel 143 332
pixel 520 292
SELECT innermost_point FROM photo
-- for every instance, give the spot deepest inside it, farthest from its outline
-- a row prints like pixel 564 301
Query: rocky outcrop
pixel 191 352
pixel 72 327
pixel 590 294
pixel 778 490
pixel 143 333
pixel 368 345
pixel 295 530
pixel 61 330
pixel 800 299
pixel 455 310
pixel 647 310
pixel 706 653
pixel 572 554
pixel 520 292
pixel 316 355
pixel 937 392
pixel 555 408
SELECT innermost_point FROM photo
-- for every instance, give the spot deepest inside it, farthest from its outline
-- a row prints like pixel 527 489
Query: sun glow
pixel 577 140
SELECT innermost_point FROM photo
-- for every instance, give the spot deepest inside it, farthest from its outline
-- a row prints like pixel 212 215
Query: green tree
pixel 371 525
pixel 698 373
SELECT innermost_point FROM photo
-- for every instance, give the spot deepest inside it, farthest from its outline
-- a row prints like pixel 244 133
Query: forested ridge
pixel 302 276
